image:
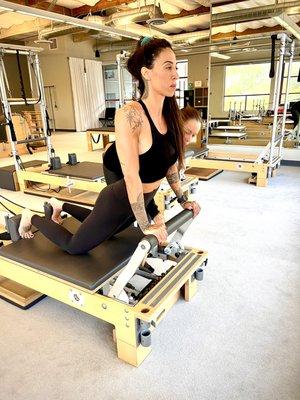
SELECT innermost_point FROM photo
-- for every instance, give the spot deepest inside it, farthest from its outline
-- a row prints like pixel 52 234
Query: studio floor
pixel 239 337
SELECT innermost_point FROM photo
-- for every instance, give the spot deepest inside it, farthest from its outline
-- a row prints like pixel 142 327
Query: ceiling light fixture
pixel 156 16
pixel 286 22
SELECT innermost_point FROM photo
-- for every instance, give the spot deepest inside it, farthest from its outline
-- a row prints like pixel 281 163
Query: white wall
pixel 198 66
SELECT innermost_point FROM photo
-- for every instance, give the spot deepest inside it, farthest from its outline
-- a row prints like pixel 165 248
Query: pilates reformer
pixel 228 135
pixel 128 280
pixel 81 183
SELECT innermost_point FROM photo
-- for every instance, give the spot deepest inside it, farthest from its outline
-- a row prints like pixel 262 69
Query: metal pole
pixel 29 73
pixel 208 116
pixel 120 79
pixel 42 104
pixel 52 108
pixel 287 87
pixel 5 77
pixel 276 103
pixel 7 111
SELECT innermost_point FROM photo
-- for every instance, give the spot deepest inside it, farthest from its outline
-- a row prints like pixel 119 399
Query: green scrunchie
pixel 146 40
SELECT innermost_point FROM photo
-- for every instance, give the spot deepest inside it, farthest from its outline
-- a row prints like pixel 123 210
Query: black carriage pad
pixel 88 271
pixel 85 170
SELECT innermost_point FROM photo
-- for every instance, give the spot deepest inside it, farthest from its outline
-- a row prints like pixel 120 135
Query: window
pixel 182 83
pixel 294 86
pixel 111 85
pixel 247 87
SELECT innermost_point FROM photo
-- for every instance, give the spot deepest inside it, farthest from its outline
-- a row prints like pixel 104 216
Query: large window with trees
pixel 247 86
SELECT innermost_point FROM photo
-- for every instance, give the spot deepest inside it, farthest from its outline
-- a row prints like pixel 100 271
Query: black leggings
pixel 112 177
pixel 111 214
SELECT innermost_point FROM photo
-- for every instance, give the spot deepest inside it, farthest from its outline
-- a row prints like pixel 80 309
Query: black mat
pixel 27 164
pixel 85 170
pixel 7 180
pixel 87 271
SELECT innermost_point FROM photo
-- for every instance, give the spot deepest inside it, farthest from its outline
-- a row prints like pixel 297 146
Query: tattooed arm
pixel 128 125
pixel 174 180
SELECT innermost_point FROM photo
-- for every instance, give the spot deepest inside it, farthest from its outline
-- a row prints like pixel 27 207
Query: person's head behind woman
pixel 153 64
pixel 191 121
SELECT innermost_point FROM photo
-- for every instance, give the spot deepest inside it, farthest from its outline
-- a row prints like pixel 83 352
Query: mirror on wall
pixel 242 95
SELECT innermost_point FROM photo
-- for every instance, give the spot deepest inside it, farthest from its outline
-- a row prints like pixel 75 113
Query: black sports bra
pixel 155 162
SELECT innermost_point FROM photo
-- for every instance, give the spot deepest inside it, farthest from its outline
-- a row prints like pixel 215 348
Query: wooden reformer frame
pixel 84 191
pixel 133 324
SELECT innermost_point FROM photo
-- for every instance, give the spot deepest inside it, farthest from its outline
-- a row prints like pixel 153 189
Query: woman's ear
pixel 145 73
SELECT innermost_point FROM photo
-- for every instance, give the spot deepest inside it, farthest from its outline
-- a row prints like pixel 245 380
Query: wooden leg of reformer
pixel 261 180
pixel 189 289
pixel 105 139
pixel 21 182
pixel 89 141
pixel 128 347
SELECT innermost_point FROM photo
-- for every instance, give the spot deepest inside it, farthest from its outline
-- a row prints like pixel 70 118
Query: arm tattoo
pixel 172 178
pixel 174 181
pixel 139 211
pixel 133 117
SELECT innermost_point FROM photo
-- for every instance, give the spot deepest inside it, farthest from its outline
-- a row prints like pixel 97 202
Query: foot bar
pixel 142 250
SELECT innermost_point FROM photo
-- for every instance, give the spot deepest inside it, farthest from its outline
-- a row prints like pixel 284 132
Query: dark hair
pixel 187 113
pixel 144 56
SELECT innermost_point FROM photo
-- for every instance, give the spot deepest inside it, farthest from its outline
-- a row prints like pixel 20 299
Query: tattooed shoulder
pixel 133 117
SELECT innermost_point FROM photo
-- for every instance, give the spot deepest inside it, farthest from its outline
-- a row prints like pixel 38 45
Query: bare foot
pixel 57 208
pixel 25 224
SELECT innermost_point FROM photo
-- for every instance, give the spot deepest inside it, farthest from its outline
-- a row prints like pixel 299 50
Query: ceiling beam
pixel 185 13
pixel 226 2
pixel 249 32
pixel 254 13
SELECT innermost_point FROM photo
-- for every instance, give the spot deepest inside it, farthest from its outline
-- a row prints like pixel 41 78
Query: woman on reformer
pixel 148 147
pixel 191 124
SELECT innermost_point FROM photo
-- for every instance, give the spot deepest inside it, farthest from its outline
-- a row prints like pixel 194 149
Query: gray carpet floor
pixel 239 338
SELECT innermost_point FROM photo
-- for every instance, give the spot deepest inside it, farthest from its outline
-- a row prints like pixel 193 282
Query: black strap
pixel 23 95
pixel 272 69
pixel 96 140
pixel 47 123
pixel 147 115
pixel 12 129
